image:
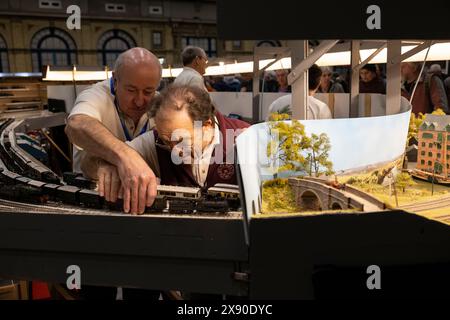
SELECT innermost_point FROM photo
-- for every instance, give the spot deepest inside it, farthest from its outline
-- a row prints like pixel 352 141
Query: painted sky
pixel 355 142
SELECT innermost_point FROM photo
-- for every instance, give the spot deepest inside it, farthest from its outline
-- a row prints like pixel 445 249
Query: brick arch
pixel 336 206
pixel 310 200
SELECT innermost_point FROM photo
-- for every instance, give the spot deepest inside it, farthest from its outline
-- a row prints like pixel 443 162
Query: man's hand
pixel 108 181
pixel 138 182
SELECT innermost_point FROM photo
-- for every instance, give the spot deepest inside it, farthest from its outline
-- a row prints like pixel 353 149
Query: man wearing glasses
pixel 192 144
pixel 194 62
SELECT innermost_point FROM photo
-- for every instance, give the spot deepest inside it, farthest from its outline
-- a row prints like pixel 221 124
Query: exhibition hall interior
pixel 192 150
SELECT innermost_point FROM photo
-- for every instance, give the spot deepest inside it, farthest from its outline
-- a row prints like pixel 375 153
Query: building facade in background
pixel 434 145
pixel 34 33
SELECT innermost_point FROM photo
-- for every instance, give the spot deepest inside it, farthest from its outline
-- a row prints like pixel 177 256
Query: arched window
pixel 54 47
pixel 111 44
pixel 207 44
pixel 4 65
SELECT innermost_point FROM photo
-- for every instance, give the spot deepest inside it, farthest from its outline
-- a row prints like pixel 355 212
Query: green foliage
pixel 414 125
pixel 278 197
pixel 439 112
pixel 277 182
pixel 363 180
pixel 287 142
pixel 279 116
pixel 438 168
pixel 318 156
pixel 404 180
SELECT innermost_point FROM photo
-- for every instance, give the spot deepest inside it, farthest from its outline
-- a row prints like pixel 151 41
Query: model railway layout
pixel 430 177
pixel 192 240
pixel 24 178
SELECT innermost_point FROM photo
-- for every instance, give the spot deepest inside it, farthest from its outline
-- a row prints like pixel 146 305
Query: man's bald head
pixel 137 56
pixel 137 74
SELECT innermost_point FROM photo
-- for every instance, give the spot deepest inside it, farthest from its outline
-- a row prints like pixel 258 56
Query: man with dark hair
pixel 314 76
pixel 195 61
pixel 315 109
pixel 370 81
pixel 192 144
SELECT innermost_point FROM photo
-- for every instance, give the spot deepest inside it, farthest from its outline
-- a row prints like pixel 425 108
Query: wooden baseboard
pixel 9 292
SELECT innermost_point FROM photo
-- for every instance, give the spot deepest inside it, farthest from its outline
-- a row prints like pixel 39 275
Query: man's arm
pixel 91 135
pixel 438 94
pixel 138 180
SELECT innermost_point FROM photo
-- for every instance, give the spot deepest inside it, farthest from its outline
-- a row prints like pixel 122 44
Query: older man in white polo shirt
pixel 194 62
pixel 112 112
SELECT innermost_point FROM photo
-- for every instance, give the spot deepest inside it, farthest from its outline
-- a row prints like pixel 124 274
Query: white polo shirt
pixel 190 77
pixel 316 109
pixel 98 102
pixel 145 146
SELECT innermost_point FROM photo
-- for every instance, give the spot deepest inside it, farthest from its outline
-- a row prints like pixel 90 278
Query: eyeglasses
pixel 205 58
pixel 161 144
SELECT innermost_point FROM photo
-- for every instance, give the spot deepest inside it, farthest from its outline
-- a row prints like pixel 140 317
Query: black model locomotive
pixel 24 178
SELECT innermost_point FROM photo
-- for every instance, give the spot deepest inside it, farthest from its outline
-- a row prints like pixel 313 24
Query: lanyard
pixel 124 128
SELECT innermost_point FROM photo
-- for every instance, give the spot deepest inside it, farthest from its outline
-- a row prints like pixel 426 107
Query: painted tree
pixel 404 180
pixel 284 149
pixel 414 123
pixel 318 155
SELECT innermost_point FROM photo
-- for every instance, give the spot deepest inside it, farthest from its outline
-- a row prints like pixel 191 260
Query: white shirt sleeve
pixel 86 108
pixel 145 146
pixel 92 103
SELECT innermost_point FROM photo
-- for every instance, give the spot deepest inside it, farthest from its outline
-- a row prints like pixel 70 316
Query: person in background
pixel 342 78
pixel 270 82
pixel 437 71
pixel 447 87
pixel 327 84
pixel 246 82
pixel 233 83
pixel 209 84
pixel 429 94
pixel 315 109
pixel 283 85
pixel 195 61
pixel 370 82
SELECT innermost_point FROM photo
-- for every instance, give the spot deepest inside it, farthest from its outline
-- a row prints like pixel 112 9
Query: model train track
pixel 8 205
pixel 58 208
pixel 23 179
pixel 428 205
